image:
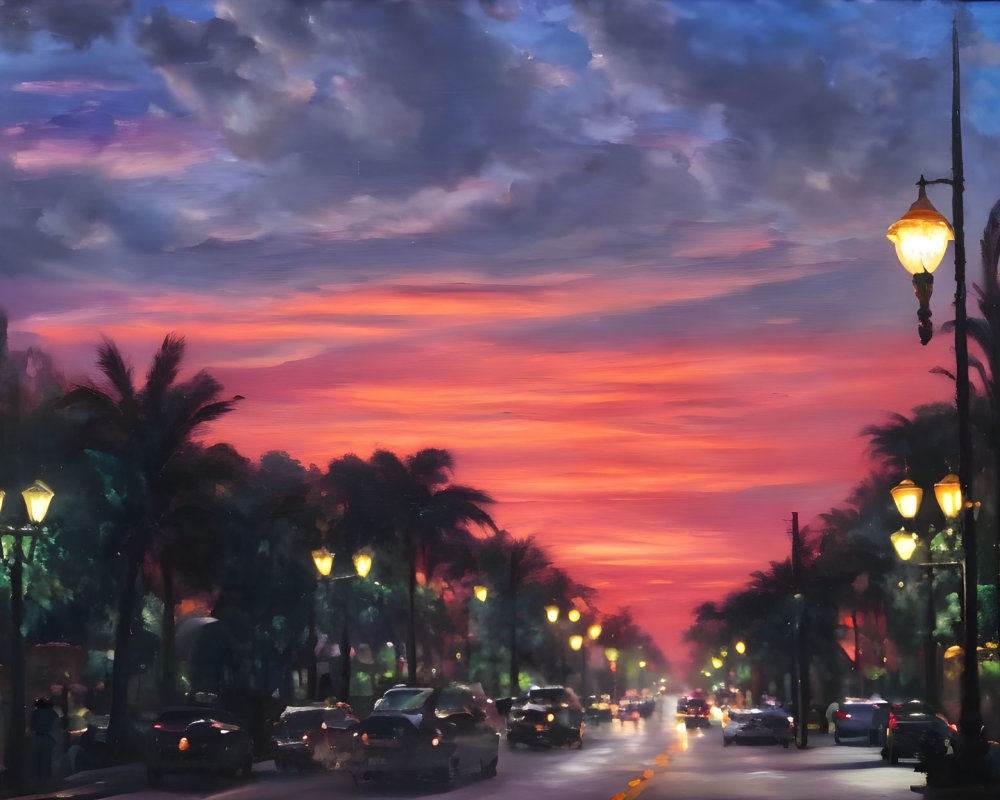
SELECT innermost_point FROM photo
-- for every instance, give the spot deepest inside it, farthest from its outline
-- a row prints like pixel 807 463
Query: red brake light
pixel 157 727
pixel 842 715
pixel 892 720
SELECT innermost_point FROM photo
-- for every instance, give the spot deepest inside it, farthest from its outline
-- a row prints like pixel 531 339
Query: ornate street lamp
pixel 905 543
pixel 924 252
pixel 552 613
pixel 18 543
pixel 323 559
pixel 907 496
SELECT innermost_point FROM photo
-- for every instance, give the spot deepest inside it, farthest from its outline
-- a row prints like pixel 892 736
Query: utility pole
pixel 801 652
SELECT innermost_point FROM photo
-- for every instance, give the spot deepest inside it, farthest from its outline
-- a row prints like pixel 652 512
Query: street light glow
pixel 907 496
pixel 948 492
pixel 921 236
pixel 323 559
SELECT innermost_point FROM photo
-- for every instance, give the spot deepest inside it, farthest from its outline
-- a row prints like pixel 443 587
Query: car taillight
pixel 305 738
pixel 892 721
pixel 551 717
pixel 183 744
pixel 364 738
pixel 157 727
pixel 842 715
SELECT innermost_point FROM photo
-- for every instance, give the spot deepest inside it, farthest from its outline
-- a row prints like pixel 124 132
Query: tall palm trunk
pixel 118 722
pixel 411 622
pixel 168 674
pixel 515 668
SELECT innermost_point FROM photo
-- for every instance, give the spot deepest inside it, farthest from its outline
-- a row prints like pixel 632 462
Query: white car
pixel 767 725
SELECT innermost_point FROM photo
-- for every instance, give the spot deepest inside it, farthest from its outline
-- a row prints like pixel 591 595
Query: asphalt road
pixel 654 758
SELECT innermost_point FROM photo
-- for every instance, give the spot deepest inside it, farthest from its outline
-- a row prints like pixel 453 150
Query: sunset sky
pixel 625 259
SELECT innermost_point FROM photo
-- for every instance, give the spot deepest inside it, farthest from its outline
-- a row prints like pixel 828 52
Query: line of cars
pixel 418 733
pixel 913 729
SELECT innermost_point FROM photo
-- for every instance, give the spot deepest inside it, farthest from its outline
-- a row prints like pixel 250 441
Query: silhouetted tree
pixel 144 429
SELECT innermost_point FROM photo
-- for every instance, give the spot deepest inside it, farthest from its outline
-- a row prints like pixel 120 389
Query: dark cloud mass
pixel 78 22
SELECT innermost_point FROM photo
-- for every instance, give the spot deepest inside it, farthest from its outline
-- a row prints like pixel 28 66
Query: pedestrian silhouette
pixel 43 722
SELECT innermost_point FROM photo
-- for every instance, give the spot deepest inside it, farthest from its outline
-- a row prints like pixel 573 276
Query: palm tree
pixel 520 560
pixel 428 515
pixel 144 429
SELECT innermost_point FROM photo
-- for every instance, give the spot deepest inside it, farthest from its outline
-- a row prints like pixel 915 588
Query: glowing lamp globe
pixel 594 631
pixel 907 496
pixel 363 562
pixel 480 592
pixel 716 662
pixel 921 236
pixel 948 492
pixel 551 613
pixel 741 647
pixel 905 543
pixel 575 642
pixel 37 498
pixel 573 615
pixel 323 559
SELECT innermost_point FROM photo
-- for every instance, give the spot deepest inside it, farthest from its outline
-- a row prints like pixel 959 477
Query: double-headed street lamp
pixel 323 559
pixel 921 238
pixel 907 496
pixel 19 543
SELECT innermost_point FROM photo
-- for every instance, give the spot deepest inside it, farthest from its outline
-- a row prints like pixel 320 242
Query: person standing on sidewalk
pixel 43 722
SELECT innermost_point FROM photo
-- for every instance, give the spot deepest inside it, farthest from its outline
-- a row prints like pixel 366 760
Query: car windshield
pixel 403 700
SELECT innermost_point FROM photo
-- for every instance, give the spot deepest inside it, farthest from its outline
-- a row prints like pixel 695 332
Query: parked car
pixel 916 729
pixel 196 739
pixel 312 737
pixel 423 733
pixel 767 725
pixel 550 716
pixel 696 712
pixel 861 719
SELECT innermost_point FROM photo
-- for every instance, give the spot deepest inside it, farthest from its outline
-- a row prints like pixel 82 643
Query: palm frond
pixel 163 371
pixel 117 371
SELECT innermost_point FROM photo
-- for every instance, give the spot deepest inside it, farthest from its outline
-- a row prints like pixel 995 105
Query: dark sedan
pixel 195 739
pixel 312 737
pixel 548 717
pixel 916 729
pixel 424 734
pixel 767 725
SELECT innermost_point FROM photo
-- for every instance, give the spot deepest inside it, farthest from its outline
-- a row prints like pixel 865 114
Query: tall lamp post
pixel 19 543
pixel 921 237
pixel 362 559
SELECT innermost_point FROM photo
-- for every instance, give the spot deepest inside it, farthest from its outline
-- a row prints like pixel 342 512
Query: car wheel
pixel 785 744
pixel 511 743
pixel 836 739
pixel 153 778
pixel 726 741
pixel 893 757
pixel 490 770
